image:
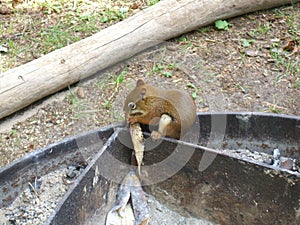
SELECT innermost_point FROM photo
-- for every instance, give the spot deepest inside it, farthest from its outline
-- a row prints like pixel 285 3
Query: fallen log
pixel 23 85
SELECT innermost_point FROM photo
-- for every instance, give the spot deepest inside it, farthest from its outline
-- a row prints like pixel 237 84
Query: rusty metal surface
pixel 15 176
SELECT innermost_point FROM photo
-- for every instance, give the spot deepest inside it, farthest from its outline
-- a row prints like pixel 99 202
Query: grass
pixel 153 2
pixel 291 66
pixel 157 68
pixel 76 104
pixel 56 37
pixel 284 63
pixel 50 6
pixel 195 90
pixel 247 42
pixel 160 68
pixel 113 82
pixel 38 27
pixel 288 67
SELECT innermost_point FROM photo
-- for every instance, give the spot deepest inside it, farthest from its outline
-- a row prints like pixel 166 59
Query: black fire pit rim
pixel 246 113
pixel 276 169
pixel 82 175
pixel 117 126
pixel 268 168
pixel 39 152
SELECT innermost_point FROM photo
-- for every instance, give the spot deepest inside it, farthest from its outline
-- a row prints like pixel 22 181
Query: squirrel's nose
pixel 131 105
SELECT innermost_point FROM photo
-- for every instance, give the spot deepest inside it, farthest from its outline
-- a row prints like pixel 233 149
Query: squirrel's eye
pixel 131 105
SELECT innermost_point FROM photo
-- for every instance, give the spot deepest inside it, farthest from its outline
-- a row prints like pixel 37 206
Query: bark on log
pixel 28 83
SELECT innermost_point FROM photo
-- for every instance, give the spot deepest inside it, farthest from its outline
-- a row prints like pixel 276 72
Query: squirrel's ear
pixel 143 93
pixel 140 82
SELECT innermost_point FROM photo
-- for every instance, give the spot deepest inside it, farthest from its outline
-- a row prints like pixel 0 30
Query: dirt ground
pixel 254 65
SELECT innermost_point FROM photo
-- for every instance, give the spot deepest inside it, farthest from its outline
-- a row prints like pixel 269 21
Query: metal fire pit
pixel 228 190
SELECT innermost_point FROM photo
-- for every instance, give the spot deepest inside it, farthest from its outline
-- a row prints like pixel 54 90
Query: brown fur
pixel 150 103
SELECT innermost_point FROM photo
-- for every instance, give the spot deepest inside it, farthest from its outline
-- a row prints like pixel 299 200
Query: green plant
pixel 157 68
pixel 107 104
pixel 297 83
pixel 278 12
pixel 57 37
pixel 167 74
pixel 192 86
pixel 171 66
pixel 185 42
pixel 243 89
pixel 117 83
pixel 293 27
pixel 120 78
pixel 13 132
pixel 274 109
pixel 194 95
pixel 50 6
pixel 153 2
pixel 182 39
pixel 246 43
pixel 287 66
pixel 264 28
pixel 73 97
pixel 203 30
pixel 112 15
pixel 243 57
pixel 222 24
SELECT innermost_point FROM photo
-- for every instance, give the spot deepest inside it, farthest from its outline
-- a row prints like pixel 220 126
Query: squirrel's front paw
pixel 155 135
pixel 131 120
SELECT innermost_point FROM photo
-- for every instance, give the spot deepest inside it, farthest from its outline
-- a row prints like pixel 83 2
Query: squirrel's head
pixel 136 101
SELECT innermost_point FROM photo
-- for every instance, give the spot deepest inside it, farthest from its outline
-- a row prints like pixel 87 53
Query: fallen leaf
pixel 290 45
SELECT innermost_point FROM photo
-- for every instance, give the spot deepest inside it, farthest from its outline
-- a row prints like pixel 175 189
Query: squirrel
pixel 174 111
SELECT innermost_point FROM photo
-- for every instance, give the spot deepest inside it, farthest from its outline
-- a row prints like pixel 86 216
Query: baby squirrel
pixel 174 111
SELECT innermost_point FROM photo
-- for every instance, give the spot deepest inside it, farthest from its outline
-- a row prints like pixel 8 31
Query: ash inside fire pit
pixel 39 199
pixel 275 160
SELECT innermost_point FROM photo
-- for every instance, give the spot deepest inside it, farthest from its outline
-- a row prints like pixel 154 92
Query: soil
pixel 252 66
